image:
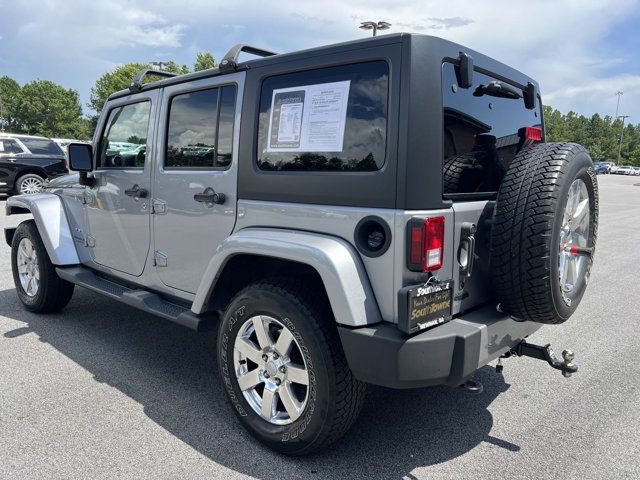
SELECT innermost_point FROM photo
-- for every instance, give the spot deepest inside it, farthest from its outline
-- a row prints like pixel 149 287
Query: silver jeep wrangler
pixel 381 211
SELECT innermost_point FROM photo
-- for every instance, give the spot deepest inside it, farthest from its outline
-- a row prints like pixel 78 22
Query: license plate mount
pixel 425 306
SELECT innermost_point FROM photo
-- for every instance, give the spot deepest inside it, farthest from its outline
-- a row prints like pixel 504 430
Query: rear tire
pixel 37 284
pixel 280 343
pixel 546 212
pixel 29 183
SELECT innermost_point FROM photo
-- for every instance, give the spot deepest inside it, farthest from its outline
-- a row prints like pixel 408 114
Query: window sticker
pixel 309 118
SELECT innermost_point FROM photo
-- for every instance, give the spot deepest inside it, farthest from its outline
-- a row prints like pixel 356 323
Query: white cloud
pixel 561 44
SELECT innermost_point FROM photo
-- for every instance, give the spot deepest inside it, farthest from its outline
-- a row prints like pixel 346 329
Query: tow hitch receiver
pixel 524 349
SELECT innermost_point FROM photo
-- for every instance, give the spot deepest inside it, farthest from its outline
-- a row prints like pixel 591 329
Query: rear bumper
pixel 449 354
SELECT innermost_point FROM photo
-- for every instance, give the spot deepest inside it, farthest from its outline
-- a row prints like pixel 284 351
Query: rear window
pixel 480 137
pixel 329 119
pixel 41 146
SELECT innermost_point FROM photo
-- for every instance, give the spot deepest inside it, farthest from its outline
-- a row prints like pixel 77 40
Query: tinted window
pixel 480 132
pixel 225 126
pixel 330 119
pixel 124 140
pixel 9 147
pixel 41 146
pixel 195 120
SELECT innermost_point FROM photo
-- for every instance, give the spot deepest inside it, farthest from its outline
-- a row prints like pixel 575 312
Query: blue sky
pixel 581 51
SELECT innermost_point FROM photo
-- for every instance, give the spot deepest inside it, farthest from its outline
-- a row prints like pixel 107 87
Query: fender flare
pixel 339 266
pixel 51 219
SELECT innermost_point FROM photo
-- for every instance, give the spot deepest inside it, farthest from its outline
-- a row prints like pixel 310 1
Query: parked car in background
pixel 613 168
pixel 601 167
pixel 27 161
pixel 636 171
pixel 625 170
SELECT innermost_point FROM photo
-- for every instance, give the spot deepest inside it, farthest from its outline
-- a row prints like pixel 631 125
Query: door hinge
pixel 160 259
pixel 89 241
pixel 159 207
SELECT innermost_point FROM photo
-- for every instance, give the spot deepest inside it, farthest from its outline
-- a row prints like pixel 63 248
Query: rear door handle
pixel 467 249
pixel 210 196
pixel 136 191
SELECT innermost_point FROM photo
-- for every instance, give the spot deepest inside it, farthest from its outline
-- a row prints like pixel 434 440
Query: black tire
pixel 331 400
pixel 462 173
pixel 530 223
pixel 29 183
pixel 48 292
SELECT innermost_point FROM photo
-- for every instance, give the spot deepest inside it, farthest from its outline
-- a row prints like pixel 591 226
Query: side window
pixel 329 119
pixel 9 146
pixel 200 131
pixel 124 140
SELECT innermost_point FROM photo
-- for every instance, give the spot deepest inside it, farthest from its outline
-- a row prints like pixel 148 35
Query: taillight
pixel 533 133
pixel 426 244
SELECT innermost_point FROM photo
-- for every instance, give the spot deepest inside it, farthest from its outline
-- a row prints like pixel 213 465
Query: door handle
pixel 136 191
pixel 467 250
pixel 210 196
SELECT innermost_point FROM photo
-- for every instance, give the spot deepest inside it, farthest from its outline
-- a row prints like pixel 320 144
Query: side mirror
pixel 80 157
pixel 81 160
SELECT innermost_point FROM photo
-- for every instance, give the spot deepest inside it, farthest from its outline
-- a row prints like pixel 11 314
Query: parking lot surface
pixel 101 390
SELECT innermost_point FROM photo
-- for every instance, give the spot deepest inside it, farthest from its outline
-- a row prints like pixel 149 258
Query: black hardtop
pixel 437 46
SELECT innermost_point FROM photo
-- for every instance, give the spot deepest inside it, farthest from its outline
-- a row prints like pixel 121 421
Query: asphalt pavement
pixel 102 390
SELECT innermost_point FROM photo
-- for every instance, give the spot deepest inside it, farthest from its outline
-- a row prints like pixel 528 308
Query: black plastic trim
pixel 445 355
pixel 360 240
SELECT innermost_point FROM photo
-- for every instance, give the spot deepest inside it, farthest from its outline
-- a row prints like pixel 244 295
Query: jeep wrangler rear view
pixel 382 211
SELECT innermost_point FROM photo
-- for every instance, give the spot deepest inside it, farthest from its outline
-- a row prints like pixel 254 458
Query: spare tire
pixel 462 174
pixel 544 232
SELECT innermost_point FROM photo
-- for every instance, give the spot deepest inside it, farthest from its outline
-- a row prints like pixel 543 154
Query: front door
pixel 195 182
pixel 117 205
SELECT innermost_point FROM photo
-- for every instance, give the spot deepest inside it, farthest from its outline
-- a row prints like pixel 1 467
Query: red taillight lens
pixel 415 250
pixel 426 244
pixel 433 243
pixel 533 133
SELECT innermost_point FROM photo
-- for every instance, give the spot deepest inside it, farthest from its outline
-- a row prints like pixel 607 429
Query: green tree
pixel 117 79
pixel 10 93
pixel 204 60
pixel 173 67
pixel 556 125
pixel 48 109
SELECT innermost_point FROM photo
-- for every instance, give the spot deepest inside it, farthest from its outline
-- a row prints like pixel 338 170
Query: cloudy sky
pixel 581 51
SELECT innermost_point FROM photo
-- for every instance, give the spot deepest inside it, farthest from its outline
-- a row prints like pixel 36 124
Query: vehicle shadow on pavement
pixel 172 373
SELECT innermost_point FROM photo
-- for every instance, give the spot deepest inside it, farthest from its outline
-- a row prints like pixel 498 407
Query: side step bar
pixel 141 299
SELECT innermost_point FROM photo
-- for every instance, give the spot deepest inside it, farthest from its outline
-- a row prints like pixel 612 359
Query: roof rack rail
pixel 136 85
pixel 230 60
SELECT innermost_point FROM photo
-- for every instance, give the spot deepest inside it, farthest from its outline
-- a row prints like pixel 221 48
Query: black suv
pixel 27 161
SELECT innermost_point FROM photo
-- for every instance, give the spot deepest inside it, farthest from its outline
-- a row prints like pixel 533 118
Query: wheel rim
pixel 576 223
pixel 271 370
pixel 31 185
pixel 28 269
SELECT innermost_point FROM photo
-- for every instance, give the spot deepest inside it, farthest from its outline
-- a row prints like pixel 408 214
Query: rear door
pixel 481 138
pixel 195 181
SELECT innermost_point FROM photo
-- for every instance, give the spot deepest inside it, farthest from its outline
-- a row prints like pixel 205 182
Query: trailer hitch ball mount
pixel 524 349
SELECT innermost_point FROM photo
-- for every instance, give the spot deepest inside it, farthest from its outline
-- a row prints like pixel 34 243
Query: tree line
pixel 42 107
pixel 606 138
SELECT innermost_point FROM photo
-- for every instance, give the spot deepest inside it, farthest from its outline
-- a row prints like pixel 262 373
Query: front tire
pixel 37 284
pixel 284 369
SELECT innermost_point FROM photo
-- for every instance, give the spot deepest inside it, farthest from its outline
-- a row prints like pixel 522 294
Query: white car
pixel 625 170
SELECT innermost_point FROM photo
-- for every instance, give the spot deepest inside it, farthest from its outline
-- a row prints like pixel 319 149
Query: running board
pixel 141 299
